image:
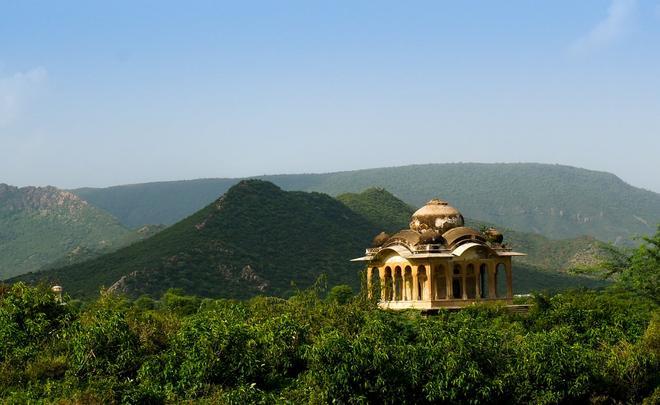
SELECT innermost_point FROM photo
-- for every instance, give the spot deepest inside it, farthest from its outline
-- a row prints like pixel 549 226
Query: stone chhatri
pixel 438 263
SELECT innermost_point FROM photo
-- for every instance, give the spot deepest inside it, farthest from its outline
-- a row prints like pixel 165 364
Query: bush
pixel 572 347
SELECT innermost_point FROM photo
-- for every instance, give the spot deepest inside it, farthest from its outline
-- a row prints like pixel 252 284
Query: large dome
pixel 436 215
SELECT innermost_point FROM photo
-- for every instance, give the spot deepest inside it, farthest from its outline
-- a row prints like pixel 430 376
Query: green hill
pixel 257 239
pixel 254 239
pixel 41 225
pixel 552 200
pixel 380 207
pixel 83 253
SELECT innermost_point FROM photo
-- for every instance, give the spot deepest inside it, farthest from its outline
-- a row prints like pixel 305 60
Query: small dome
pixel 380 239
pixel 436 215
pixel 493 235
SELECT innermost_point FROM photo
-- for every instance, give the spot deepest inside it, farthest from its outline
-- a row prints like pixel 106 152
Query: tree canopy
pixel 318 348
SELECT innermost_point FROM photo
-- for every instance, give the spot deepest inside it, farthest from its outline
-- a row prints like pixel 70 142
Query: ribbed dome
pixel 436 215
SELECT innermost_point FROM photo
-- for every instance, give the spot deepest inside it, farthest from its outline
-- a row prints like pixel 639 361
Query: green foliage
pixel 643 274
pixel 636 270
pixel 574 347
pixel 340 294
pixel 27 316
pixel 380 207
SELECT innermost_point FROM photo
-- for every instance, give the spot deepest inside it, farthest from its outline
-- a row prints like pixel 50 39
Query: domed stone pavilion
pixel 439 263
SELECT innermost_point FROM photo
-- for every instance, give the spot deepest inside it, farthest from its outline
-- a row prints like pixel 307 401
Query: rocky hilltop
pixel 41 199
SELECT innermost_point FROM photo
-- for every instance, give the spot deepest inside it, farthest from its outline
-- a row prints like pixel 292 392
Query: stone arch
pixel 457 282
pixel 387 284
pixel 408 283
pixel 440 279
pixel 500 280
pixel 373 282
pixel 422 294
pixel 484 279
pixel 398 284
pixel 470 281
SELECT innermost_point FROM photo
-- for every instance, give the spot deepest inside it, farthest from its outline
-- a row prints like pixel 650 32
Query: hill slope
pixel 552 200
pixel 380 207
pixel 41 225
pixel 256 239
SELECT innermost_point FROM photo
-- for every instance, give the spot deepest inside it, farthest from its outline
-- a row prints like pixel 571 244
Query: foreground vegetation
pixel 317 348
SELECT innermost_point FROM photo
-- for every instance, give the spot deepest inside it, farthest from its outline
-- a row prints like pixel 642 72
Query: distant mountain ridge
pixel 257 239
pixel 42 226
pixel 552 200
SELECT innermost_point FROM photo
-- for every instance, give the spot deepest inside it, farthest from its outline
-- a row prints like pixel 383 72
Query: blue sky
pixel 103 93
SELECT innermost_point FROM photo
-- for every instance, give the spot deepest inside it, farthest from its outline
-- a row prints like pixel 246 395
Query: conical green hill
pixel 255 239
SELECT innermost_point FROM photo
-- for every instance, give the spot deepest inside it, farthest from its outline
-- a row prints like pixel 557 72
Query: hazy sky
pixel 120 92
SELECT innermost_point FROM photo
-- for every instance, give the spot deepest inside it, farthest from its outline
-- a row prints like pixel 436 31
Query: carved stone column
pixel 449 278
pixel 477 281
pixel 429 281
pixel 415 286
pixel 464 270
pixel 369 282
pixel 381 273
pixel 492 289
pixel 509 281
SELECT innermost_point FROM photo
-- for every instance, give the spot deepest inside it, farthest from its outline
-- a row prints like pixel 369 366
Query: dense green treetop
pixel 573 347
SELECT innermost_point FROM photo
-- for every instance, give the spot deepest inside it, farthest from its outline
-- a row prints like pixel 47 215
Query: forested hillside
pixel 43 225
pixel 551 200
pixel 380 207
pixel 258 239
pixel 255 239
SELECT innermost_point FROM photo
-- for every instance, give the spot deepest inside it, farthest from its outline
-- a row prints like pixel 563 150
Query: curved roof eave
pixel 398 249
pixel 466 246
